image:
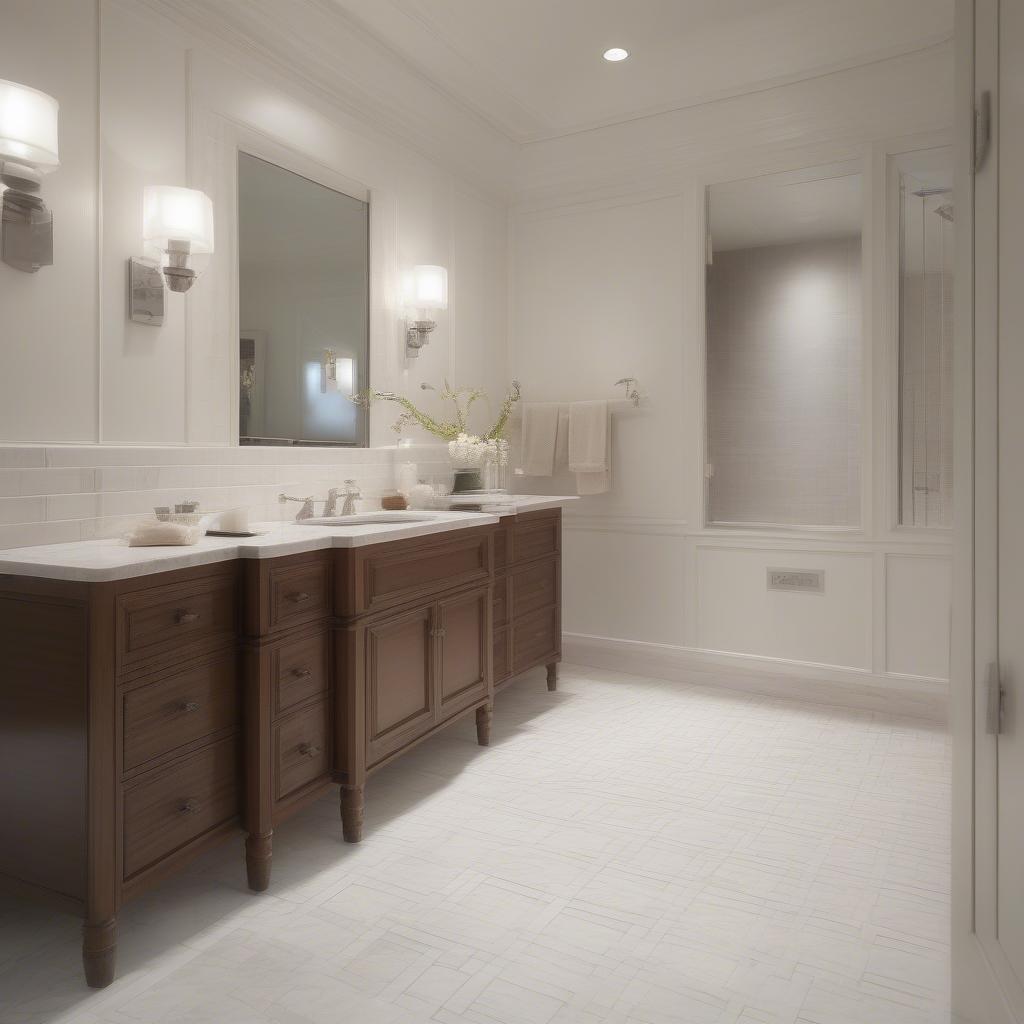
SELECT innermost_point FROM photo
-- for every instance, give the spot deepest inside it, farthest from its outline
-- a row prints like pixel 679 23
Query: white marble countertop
pixel 98 561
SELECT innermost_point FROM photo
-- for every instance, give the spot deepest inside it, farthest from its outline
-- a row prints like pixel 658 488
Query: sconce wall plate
pixel 417 335
pixel 145 293
pixel 27 226
pixel 28 150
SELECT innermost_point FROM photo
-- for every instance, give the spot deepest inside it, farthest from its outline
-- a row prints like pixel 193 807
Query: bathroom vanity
pixel 155 701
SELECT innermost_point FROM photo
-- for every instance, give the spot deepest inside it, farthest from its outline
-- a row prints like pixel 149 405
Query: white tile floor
pixel 629 851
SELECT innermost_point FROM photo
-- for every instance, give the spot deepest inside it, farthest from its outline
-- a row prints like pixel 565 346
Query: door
pixel 399 681
pixel 998 909
pixel 463 638
pixel 1010 740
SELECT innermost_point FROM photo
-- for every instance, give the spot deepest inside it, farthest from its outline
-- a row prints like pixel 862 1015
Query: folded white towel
pixel 540 436
pixel 590 446
pixel 164 534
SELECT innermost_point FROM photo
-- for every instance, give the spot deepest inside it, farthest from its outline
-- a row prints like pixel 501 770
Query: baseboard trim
pixel 913 696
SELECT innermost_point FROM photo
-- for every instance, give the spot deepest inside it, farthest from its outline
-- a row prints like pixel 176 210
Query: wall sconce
pixel 28 150
pixel 427 290
pixel 177 225
pixel 337 373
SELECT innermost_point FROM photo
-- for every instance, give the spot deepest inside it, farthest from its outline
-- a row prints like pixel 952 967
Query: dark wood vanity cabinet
pixel 414 651
pixel 143 719
pixel 120 736
pixel 528 595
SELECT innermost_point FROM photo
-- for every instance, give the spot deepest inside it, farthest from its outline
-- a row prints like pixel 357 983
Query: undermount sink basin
pixel 369 519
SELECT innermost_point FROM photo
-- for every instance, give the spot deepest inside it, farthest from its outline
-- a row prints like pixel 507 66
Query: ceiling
pixel 533 68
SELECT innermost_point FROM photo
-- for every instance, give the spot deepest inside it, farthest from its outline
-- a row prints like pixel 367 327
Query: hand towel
pixel 147 535
pixel 540 435
pixel 590 446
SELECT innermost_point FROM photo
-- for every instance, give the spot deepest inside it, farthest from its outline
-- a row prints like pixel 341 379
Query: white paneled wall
pixel 608 255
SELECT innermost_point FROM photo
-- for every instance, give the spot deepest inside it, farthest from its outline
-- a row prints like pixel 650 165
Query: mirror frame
pixel 270 151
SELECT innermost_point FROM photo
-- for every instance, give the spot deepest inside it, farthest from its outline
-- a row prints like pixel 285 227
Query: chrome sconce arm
pixel 417 335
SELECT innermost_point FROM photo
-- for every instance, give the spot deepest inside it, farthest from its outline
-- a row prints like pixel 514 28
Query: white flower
pixel 470 451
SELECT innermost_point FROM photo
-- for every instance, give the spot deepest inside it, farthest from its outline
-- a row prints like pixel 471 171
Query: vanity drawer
pixel 299 593
pixel 179 709
pixel 535 588
pixel 300 670
pixel 163 622
pixel 534 639
pixel 535 538
pixel 178 803
pixel 301 755
pixel 389 575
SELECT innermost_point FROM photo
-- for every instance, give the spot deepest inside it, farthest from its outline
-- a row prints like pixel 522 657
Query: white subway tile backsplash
pixel 63 493
pixel 22 510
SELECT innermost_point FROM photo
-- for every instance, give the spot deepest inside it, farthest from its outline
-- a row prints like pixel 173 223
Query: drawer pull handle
pixel 183 617
pixel 190 807
pixel 189 705
pixel 299 596
pixel 302 673
pixel 309 749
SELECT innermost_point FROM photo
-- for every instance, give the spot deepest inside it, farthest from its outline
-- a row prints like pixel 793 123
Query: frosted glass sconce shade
pixel 426 291
pixel 429 287
pixel 177 223
pixel 171 214
pixel 28 127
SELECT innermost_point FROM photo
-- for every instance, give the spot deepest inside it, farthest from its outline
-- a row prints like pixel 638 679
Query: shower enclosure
pixel 926 344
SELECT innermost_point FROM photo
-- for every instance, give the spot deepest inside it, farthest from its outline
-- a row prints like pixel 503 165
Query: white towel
pixel 158 534
pixel 590 446
pixel 540 436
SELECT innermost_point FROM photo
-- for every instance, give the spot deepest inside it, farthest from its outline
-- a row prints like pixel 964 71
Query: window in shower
pixel 926 339
pixel 783 350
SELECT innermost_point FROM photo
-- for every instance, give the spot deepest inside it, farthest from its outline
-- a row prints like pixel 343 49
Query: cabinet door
pixel 464 657
pixel 399 681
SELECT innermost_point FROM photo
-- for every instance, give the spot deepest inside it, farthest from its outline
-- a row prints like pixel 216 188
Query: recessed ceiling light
pixel 616 53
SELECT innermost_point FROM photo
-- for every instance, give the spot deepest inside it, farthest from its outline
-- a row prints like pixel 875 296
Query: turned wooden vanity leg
pixel 483 724
pixel 352 813
pixel 258 859
pixel 99 952
pixel 553 675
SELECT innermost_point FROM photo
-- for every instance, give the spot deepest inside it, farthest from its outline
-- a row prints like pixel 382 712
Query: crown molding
pixel 741 136
pixel 335 60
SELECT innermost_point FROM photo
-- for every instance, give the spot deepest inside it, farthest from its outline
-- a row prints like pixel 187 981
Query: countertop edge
pixel 191 556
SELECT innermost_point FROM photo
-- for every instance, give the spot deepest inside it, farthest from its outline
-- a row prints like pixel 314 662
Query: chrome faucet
pixel 351 493
pixel 306 512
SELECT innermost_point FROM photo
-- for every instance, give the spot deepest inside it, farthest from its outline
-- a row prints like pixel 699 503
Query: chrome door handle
pixel 309 749
pixel 183 616
pixel 190 807
pixel 298 596
pixel 302 673
pixel 189 705
pixel 994 700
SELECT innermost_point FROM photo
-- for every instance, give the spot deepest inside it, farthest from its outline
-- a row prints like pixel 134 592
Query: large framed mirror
pixel 303 298
pixel 784 350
